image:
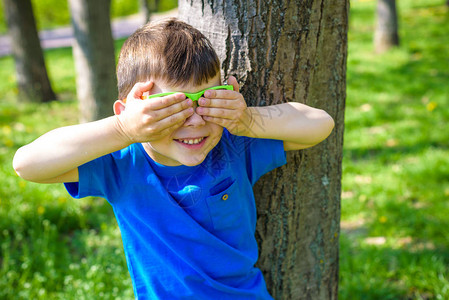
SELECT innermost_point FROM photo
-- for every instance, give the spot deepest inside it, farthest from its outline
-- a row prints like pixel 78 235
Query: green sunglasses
pixel 193 96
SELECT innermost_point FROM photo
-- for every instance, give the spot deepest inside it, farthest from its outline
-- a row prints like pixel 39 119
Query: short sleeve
pixel 260 155
pixel 97 178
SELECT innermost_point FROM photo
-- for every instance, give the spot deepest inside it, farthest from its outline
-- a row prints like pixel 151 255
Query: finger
pixel 219 121
pixel 221 94
pixel 216 112
pixel 139 89
pixel 233 127
pixel 233 81
pixel 174 119
pixel 172 109
pixel 223 103
pixel 165 101
pixel 170 129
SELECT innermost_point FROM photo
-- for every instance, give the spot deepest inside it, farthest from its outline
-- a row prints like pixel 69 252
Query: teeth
pixel 192 141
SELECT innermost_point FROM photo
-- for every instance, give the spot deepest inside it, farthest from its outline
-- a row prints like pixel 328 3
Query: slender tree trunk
pixel 32 78
pixel 386 34
pixel 93 51
pixel 145 9
pixel 289 51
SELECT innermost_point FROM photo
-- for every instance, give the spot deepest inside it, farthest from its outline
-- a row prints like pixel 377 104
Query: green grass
pixel 394 241
pixel 51 246
pixel 54 13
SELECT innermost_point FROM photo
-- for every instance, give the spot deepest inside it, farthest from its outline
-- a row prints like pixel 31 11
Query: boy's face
pixel 189 144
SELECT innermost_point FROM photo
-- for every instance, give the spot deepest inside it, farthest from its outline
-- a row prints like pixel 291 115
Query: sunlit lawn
pixel 55 13
pixel 394 241
pixel 395 225
pixel 52 247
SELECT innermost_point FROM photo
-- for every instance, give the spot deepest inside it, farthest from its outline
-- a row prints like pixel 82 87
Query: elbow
pixel 329 124
pixel 326 125
pixel 318 132
pixel 20 166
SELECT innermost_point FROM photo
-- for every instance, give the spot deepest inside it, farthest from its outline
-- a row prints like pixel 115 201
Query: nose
pixel 195 120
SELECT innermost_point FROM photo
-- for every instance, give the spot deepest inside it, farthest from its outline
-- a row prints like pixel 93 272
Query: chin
pixel 193 161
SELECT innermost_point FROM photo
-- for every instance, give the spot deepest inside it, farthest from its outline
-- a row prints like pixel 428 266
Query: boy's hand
pixel 149 120
pixel 226 108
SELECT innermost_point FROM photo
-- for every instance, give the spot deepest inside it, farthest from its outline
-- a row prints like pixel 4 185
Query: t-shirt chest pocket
pixel 225 207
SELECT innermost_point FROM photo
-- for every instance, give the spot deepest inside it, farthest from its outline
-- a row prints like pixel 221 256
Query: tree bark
pixel 386 35
pixel 289 51
pixel 93 51
pixel 32 77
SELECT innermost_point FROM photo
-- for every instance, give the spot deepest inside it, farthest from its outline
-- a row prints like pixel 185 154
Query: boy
pixel 178 173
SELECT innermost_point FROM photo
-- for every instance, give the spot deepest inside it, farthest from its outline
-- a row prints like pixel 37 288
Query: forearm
pixel 291 122
pixel 66 148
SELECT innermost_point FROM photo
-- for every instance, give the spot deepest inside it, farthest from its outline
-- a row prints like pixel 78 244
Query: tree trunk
pixel 32 78
pixel 93 51
pixel 386 34
pixel 145 9
pixel 289 51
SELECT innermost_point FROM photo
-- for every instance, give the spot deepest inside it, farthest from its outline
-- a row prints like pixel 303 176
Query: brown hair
pixel 168 50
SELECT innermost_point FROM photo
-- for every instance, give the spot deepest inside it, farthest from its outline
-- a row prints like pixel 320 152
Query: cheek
pixel 161 144
pixel 215 130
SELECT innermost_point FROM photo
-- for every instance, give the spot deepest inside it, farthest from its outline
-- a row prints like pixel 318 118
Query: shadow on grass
pixel 382 272
pixel 412 79
pixel 400 251
pixel 391 153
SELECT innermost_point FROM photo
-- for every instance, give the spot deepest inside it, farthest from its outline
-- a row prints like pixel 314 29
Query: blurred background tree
pixel 93 49
pixel 55 13
pixel 93 52
pixel 386 34
pixel 147 7
pixel 31 73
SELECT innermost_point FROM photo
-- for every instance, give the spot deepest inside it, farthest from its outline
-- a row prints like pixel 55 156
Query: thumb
pixel 233 81
pixel 139 89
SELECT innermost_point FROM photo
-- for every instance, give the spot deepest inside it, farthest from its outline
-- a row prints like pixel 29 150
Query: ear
pixel 119 107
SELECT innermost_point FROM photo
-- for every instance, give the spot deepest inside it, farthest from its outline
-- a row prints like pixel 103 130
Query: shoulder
pixel 234 143
pixel 130 151
pixel 123 159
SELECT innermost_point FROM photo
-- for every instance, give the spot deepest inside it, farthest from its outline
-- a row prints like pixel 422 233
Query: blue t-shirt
pixel 188 232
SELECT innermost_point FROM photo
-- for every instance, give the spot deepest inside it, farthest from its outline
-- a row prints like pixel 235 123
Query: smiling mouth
pixel 195 141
